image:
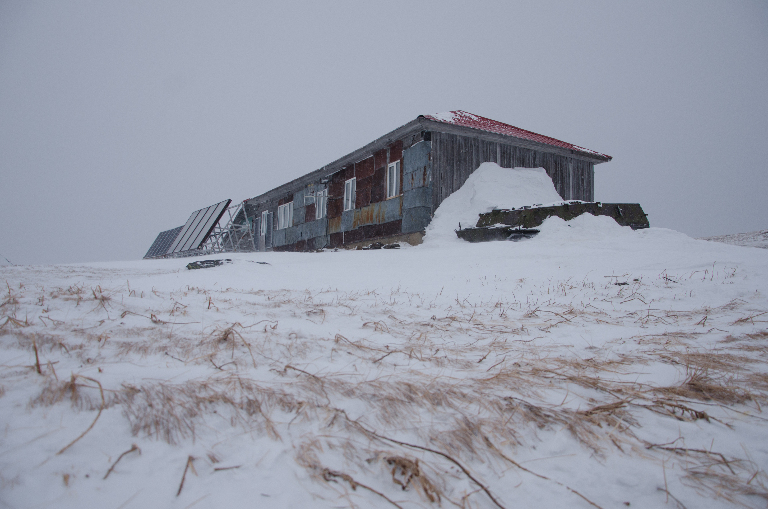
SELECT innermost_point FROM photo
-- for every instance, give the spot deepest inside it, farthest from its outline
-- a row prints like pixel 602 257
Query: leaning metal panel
pixel 198 228
pixel 205 230
pixel 184 233
pixel 162 242
pixel 235 236
pixel 202 217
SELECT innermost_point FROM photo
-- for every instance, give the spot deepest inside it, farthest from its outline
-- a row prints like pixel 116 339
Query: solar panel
pixel 181 238
pixel 198 227
pixel 206 224
pixel 163 242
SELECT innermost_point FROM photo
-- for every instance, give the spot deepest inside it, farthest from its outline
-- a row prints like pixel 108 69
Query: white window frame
pixel 393 179
pixel 264 219
pixel 350 187
pixel 285 216
pixel 321 202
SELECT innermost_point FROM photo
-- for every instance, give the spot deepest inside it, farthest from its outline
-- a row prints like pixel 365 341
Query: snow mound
pixel 585 227
pixel 490 187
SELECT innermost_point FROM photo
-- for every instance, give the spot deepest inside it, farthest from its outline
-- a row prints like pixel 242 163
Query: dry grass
pixel 699 384
pixel 469 383
pixel 173 412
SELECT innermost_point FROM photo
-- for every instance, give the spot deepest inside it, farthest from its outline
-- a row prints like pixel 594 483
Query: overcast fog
pixel 118 119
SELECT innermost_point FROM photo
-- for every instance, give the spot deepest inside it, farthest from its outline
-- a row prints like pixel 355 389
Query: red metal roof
pixel 466 119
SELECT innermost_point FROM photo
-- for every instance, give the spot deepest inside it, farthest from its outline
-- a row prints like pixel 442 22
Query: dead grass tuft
pixel 406 471
pixel 81 396
pixel 699 385
pixel 728 486
pixel 173 412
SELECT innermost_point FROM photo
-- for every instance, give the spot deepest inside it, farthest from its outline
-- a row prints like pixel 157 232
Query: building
pixel 388 190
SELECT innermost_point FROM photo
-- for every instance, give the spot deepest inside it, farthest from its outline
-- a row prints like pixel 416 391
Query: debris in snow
pixel 207 264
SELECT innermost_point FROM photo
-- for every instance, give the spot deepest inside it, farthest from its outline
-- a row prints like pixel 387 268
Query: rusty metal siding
pixel 396 151
pixel 291 234
pixel 380 158
pixel 334 224
pixel 347 220
pixel 417 166
pixel 298 206
pixel 268 238
pixel 416 219
pixel 420 197
pixel 278 238
pixel 372 214
pixel 417 196
pixel 316 229
pixel 379 184
pixel 364 168
pixel 416 179
pixel 310 212
pixel 363 191
pixel 393 209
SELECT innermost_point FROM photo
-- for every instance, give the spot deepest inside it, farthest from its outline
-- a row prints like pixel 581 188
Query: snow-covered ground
pixel 590 366
pixel 751 239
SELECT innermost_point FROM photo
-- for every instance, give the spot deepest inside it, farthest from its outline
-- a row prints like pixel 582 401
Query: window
pixel 264 219
pixel 320 203
pixel 285 216
pixel 393 179
pixel 349 193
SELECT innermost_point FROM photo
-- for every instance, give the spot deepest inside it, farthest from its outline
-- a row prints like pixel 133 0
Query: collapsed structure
pixel 389 189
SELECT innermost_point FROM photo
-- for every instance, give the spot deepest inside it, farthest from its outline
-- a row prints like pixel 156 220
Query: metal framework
pixel 236 236
pixel 198 228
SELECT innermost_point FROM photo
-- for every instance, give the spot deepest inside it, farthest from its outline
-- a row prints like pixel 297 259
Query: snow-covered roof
pixel 466 119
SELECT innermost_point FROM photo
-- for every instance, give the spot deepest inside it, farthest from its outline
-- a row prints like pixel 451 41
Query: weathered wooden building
pixel 389 189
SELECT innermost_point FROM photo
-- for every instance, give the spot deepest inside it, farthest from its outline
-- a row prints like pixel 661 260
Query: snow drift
pixel 487 188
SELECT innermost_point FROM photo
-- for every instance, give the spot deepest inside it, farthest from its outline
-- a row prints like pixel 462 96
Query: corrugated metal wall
pixel 455 157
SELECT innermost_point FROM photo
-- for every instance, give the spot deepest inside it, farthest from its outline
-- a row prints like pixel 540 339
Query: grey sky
pixel 118 119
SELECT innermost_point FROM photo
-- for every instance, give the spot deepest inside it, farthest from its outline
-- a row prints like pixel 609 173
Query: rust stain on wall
pixel 334 224
pixel 372 214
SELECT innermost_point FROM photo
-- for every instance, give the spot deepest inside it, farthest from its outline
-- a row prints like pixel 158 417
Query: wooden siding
pixel 455 157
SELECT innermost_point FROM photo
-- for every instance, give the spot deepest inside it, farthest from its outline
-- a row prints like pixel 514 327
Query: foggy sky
pixel 118 119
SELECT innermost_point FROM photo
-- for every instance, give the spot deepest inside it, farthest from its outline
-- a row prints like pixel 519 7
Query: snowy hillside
pixel 751 239
pixel 591 366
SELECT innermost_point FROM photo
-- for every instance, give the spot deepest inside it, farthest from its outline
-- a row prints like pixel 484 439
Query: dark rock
pixel 207 264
